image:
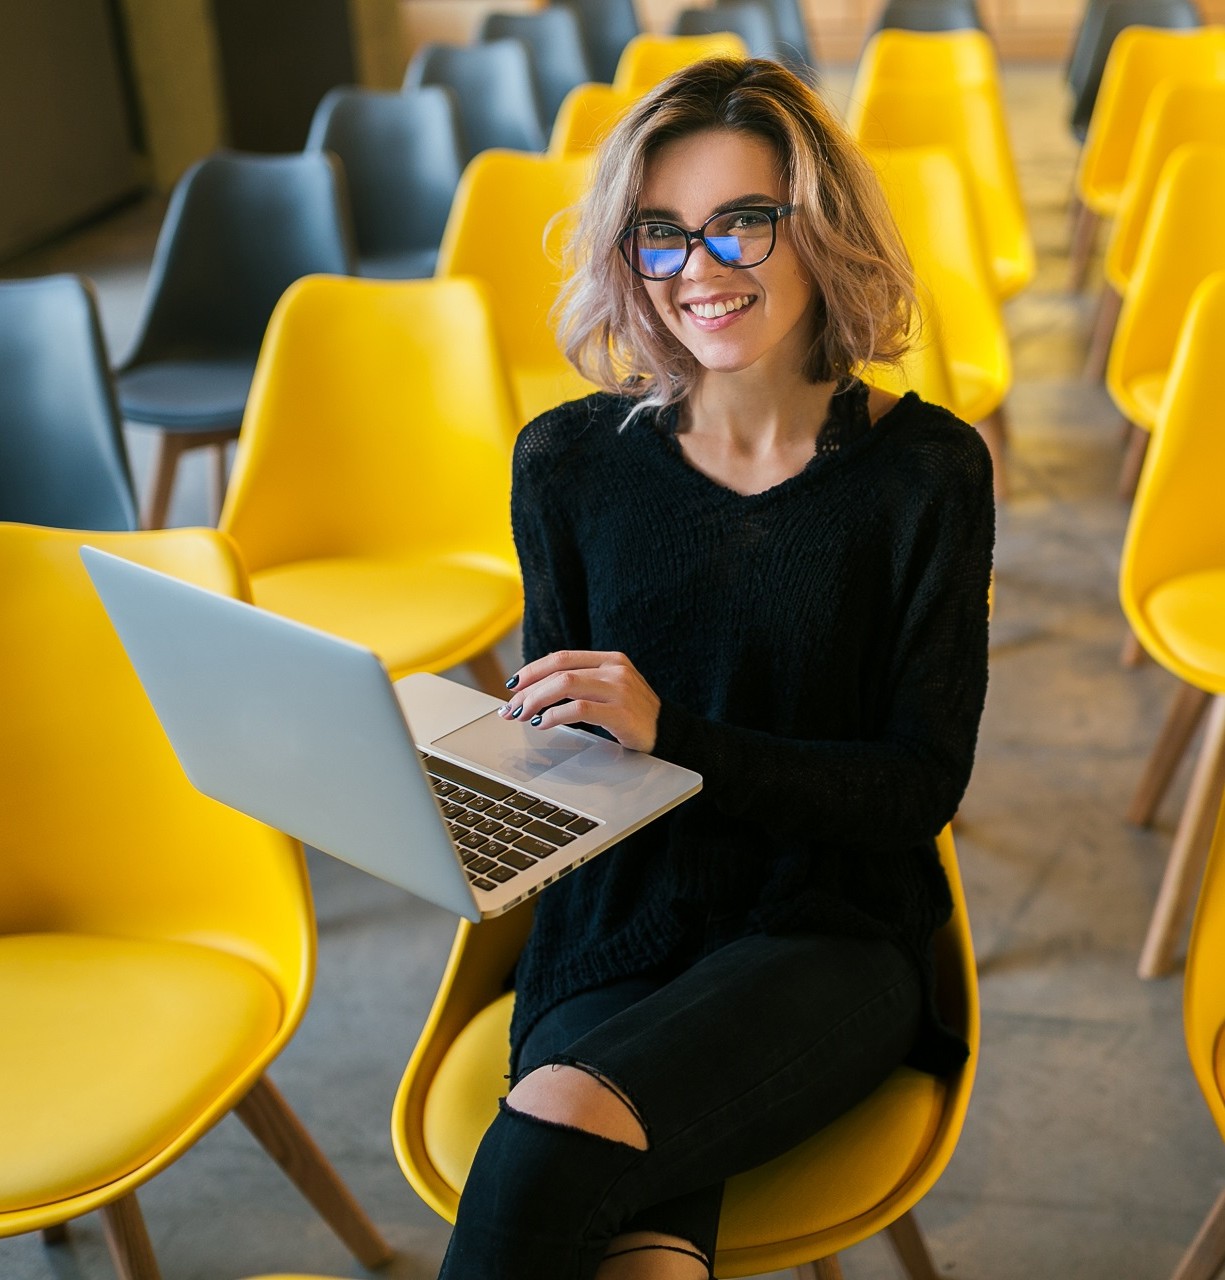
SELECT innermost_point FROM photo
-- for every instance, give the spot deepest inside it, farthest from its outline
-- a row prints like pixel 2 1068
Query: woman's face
pixel 765 323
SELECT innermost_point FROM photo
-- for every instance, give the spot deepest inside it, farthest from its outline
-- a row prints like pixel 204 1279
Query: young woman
pixel 742 558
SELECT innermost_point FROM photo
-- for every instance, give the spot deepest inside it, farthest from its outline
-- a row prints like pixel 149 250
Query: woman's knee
pixel 579 1098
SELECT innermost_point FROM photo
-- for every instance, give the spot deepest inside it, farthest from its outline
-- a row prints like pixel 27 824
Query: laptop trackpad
pixel 528 756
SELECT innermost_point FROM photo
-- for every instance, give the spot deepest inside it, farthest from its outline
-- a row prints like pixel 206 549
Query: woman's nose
pixel 703 265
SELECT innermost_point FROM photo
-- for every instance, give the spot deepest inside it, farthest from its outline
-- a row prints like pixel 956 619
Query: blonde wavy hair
pixel 842 232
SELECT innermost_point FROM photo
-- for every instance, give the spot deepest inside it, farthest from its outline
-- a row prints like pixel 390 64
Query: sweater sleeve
pixel 903 782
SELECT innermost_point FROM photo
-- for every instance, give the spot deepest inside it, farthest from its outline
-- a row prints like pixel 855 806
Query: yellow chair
pixel 1181 244
pixel 931 201
pixel 507 227
pixel 860 1175
pixel 963 57
pixel 1139 59
pixel 967 120
pixel 1204 1024
pixel 156 949
pixel 1172 589
pixel 586 115
pixel 648 59
pixel 371 488
pixel 1179 111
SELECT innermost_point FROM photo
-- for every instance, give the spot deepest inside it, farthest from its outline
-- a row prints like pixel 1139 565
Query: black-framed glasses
pixel 658 250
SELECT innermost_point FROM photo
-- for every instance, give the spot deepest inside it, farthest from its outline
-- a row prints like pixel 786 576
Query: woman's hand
pixel 579 686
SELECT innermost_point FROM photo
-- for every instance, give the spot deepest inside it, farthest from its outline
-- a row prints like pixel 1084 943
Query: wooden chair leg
pixel 57 1234
pixel 266 1113
pixel 994 431
pixel 1181 722
pixel 820 1269
pixel 1084 234
pixel 1131 651
pixel 489 673
pixel 170 448
pixel 1109 304
pixel 128 1241
pixel 218 483
pixel 911 1249
pixel 1189 852
pixel 1206 1256
pixel 1133 462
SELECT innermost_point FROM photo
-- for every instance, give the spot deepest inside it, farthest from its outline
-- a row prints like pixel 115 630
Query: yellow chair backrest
pixel 508 226
pixel 379 408
pixel 1179 111
pixel 1181 244
pixel 586 116
pixel 1203 990
pixel 648 59
pixel 1174 528
pixel 953 58
pixel 434 1138
pixel 1139 59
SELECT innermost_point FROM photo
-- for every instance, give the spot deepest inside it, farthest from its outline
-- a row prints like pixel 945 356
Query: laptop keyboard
pixel 499 829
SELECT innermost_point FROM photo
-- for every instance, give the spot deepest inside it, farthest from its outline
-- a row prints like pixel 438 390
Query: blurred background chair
pixel 1139 59
pixel 63 460
pixel 797 46
pixel 648 59
pixel 930 15
pixel 1180 111
pixel 554 42
pixel 607 27
pixel 1172 590
pixel 402 159
pixel 238 230
pixel 923 103
pixel 508 228
pixel 587 113
pixel 1204 1025
pixel 371 487
pixel 156 949
pixel 1181 245
pixel 753 22
pixel 860 1175
pixel 1101 23
pixel 494 88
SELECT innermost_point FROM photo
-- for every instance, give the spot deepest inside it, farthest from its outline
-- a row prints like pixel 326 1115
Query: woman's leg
pixel 733 1062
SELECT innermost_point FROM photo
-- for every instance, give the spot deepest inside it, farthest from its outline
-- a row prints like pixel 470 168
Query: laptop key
pixel 481 883
pixel 517 820
pixel 482 865
pixel 472 841
pixel 581 826
pixel 468 819
pixel 488 827
pixel 480 802
pixel 513 858
pixel 502 874
pixel 467 778
pixel 542 810
pixel 546 831
pixel 518 800
pixel 537 848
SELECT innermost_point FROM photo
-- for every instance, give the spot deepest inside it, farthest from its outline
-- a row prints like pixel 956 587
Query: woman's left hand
pixel 575 686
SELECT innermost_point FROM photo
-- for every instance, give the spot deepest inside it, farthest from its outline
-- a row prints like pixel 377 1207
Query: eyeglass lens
pixel 738 238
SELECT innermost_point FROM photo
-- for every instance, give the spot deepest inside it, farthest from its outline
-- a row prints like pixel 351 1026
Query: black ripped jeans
pixel 743 1055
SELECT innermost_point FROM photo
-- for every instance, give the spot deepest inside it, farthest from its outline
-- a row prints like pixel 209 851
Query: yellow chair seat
pixel 1139 398
pixel 123 1043
pixel 419 613
pixel 846 1170
pixel 1188 614
pixel 538 389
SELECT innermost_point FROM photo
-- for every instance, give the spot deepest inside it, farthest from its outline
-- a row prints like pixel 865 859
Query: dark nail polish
pixel 516 713
pixel 514 680
pixel 536 720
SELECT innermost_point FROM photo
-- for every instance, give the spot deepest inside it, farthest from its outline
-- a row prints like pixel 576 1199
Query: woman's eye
pixel 658 231
pixel 746 220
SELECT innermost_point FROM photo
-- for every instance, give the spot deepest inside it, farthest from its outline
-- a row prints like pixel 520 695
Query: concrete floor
pixel 1088 1153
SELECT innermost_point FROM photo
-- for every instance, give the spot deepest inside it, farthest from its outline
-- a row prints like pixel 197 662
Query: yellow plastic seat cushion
pixel 415 613
pixel 1142 398
pixel 112 1047
pixel 843 1171
pixel 1188 613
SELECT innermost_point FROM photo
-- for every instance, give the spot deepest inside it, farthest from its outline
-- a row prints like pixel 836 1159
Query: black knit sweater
pixel 820 650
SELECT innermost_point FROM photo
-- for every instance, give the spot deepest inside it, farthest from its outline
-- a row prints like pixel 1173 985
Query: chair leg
pixel 1084 234
pixel 219 478
pixel 489 673
pixel 911 1249
pixel 268 1116
pixel 1181 722
pixel 1133 462
pixel 1108 307
pixel 1189 852
pixel 57 1234
pixel 1131 651
pixel 820 1269
pixel 1206 1256
pixel 994 431
pixel 128 1241
pixel 170 448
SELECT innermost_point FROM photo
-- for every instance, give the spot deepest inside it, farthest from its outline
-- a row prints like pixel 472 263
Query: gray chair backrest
pixel 494 92
pixel 796 48
pixel 931 15
pixel 402 157
pixel 63 461
pixel 607 27
pixel 555 48
pixel 750 20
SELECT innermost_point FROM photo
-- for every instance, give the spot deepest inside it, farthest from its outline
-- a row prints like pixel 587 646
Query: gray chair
pixel 63 461
pixel 750 20
pixel 931 15
pixel 1102 21
pixel 238 231
pixel 607 27
pixel 402 158
pixel 495 93
pixel 555 49
pixel 796 48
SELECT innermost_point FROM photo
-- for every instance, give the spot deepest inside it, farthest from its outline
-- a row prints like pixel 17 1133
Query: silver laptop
pixel 420 783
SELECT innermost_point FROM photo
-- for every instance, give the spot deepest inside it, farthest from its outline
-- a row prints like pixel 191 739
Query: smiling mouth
pixel 714 310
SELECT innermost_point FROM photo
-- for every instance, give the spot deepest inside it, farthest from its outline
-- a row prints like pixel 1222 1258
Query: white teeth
pixel 713 310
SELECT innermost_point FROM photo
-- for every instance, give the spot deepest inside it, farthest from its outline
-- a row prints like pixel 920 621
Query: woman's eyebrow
pixel 738 202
